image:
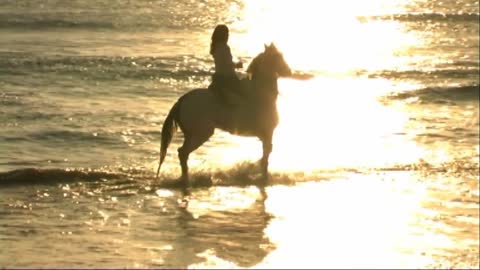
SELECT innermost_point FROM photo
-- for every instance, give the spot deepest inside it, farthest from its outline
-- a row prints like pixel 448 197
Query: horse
pixel 200 111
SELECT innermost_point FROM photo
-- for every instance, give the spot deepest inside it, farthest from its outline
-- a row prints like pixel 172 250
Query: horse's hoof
pixel 183 203
pixel 182 182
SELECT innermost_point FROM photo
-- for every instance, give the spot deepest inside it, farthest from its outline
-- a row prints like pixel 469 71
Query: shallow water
pixel 376 219
pixel 375 161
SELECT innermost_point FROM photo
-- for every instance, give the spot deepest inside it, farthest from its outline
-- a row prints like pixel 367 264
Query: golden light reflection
pixel 331 123
pixel 375 221
pixel 340 123
pixel 361 222
pixel 222 199
pixel 334 120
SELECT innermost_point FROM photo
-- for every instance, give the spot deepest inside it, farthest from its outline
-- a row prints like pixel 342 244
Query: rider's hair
pixel 220 35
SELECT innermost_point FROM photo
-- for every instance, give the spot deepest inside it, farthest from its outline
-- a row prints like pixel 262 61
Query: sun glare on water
pixel 336 119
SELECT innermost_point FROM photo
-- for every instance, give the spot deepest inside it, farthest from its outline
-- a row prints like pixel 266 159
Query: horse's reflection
pixel 233 236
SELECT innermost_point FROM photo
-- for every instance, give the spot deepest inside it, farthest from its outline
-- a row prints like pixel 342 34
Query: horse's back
pixel 197 97
pixel 202 110
pixel 197 110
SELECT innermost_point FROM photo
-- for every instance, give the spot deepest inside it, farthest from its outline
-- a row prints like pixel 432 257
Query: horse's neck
pixel 265 84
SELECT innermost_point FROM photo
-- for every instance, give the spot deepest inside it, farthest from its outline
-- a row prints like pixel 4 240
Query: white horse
pixel 200 111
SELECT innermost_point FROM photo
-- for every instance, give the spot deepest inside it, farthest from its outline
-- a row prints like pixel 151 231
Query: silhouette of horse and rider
pixel 241 107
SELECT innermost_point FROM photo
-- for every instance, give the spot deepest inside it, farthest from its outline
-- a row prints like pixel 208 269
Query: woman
pixel 224 78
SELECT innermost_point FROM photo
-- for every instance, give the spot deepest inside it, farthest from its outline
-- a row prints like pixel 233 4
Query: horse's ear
pixel 272 45
pixel 266 46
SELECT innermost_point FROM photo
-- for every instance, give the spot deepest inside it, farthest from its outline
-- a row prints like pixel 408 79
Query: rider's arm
pixel 223 60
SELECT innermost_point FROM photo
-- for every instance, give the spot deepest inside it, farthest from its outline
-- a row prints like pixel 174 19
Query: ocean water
pixel 375 161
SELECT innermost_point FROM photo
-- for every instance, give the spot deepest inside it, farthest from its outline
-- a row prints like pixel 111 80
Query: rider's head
pixel 220 35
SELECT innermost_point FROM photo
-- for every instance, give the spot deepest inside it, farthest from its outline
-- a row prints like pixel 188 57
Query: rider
pixel 225 77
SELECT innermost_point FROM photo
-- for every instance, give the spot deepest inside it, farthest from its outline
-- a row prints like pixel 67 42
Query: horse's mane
pixel 253 67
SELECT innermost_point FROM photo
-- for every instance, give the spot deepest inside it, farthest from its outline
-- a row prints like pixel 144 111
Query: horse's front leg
pixel 267 149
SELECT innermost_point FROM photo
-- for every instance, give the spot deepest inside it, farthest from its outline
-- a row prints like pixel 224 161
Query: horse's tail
pixel 168 129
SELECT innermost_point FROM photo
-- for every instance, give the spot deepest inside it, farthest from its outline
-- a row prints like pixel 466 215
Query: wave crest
pixel 425 17
pixel 51 176
pixel 436 94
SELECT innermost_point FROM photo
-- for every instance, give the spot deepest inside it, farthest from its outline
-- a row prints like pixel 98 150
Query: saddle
pixel 232 91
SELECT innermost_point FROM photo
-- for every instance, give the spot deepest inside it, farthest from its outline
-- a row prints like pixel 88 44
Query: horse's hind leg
pixel 192 141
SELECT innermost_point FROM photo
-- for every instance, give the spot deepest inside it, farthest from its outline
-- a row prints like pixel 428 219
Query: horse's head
pixel 269 63
pixel 274 59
